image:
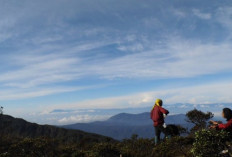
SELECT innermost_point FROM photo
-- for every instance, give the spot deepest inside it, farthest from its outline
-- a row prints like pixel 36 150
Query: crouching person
pixel 157 115
pixel 227 114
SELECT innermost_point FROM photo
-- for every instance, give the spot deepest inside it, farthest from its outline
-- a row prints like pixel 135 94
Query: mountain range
pixel 124 125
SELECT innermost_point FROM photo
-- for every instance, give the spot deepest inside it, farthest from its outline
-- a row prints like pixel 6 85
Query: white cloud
pixel 35 68
pixel 204 106
pixel 184 106
pixel 137 47
pixel 224 17
pixel 82 119
pixel 179 59
pixel 201 94
pixel 220 105
pixel 198 13
pixel 45 112
pixel 16 94
pixel 179 13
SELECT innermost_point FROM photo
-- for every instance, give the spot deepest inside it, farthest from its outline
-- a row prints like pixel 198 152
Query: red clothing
pixel 227 126
pixel 157 115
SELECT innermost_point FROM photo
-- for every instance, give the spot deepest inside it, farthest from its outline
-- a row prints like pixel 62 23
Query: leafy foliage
pixel 1 110
pixel 176 146
pixel 209 143
pixel 106 149
pixel 198 118
pixel 27 147
pixel 133 147
pixel 136 147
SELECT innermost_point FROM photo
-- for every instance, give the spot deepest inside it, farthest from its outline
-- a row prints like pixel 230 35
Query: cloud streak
pixel 179 59
pixel 17 94
pixel 201 94
pixel 82 119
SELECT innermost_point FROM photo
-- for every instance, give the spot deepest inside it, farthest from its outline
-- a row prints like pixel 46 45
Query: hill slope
pixel 16 127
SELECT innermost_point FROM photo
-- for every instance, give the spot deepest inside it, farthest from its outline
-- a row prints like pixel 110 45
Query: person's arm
pixel 224 126
pixel 214 122
pixel 164 111
pixel 215 125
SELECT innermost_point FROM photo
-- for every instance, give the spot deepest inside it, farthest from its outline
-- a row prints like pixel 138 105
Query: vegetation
pixel 199 119
pixel 202 143
pixel 210 143
pixel 1 110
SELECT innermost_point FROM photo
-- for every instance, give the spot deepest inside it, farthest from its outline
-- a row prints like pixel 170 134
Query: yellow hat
pixel 158 102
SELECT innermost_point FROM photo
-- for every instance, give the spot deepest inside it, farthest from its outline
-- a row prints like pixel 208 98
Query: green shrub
pixel 136 147
pixel 209 143
pixel 174 147
pixel 105 150
pixel 33 147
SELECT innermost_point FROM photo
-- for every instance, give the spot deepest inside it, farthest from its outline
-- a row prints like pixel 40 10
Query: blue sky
pixel 88 55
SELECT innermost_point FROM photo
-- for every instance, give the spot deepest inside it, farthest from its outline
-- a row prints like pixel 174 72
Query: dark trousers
pixel 158 130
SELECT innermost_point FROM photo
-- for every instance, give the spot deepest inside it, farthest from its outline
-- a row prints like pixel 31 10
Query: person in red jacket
pixel 157 115
pixel 227 114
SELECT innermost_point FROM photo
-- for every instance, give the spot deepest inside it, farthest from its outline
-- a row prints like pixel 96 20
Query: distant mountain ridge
pixel 16 127
pixel 130 119
pixel 124 125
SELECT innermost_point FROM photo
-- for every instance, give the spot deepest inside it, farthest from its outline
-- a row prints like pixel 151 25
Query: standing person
pixel 227 114
pixel 157 115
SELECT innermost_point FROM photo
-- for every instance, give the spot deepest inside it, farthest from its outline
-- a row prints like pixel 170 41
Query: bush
pixel 176 146
pixel 136 147
pixel 209 143
pixel 105 150
pixel 33 147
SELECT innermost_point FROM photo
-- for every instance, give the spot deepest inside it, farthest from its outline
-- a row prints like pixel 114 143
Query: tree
pixel 198 118
pixel 1 110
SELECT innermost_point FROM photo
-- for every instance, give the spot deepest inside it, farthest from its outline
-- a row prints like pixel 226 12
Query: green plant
pixel 136 147
pixel 33 147
pixel 1 110
pixel 199 119
pixel 176 146
pixel 106 150
pixel 209 143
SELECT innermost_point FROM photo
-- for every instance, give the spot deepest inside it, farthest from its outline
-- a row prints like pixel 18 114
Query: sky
pixel 83 60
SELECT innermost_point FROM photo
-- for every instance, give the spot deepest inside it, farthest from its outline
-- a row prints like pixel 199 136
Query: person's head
pixel 158 102
pixel 227 113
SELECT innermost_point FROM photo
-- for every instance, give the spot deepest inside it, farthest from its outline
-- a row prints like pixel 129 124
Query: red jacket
pixel 157 115
pixel 227 126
